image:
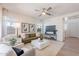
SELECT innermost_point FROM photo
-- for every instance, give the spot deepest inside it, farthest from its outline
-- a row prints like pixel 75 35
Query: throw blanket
pixel 18 51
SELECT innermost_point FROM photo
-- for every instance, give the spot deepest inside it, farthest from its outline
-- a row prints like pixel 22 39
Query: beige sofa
pixel 6 48
pixel 29 37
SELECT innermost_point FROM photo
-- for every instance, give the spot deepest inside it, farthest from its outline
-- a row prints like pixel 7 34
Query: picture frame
pixel 32 27
pixel 24 27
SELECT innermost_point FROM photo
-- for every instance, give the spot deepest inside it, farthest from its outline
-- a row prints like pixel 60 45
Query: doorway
pixel 71 27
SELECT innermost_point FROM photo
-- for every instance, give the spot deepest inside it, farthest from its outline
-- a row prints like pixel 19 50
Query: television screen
pixel 50 28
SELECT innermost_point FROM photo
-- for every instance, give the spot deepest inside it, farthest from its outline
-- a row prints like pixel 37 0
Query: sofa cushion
pixel 32 35
pixel 18 51
pixel 26 35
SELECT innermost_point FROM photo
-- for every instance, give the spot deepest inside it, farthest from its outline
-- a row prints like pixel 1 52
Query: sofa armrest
pixel 28 52
pixel 19 45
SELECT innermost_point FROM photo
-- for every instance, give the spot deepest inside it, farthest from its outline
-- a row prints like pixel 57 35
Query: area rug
pixel 52 50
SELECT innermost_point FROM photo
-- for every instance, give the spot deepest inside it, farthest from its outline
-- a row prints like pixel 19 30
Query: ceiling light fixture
pixel 43 13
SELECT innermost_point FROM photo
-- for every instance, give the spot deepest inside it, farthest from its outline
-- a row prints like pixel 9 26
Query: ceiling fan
pixel 45 11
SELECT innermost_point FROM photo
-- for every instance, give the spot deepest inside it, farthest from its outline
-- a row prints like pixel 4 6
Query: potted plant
pixel 13 41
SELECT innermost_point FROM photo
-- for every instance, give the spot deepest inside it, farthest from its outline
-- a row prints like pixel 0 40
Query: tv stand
pixel 51 36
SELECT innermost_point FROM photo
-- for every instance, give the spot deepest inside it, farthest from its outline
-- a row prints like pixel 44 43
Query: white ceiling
pixel 29 8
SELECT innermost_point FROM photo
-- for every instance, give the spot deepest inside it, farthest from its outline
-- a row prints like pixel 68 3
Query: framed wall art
pixel 25 27
pixel 32 27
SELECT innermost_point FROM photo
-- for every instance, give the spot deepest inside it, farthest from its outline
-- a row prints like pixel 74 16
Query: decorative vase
pixel 41 36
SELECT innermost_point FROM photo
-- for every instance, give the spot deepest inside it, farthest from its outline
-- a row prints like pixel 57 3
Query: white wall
pixel 72 28
pixel 58 21
pixel 0 22
pixel 22 18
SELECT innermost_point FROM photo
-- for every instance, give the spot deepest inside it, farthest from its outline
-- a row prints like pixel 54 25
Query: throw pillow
pixel 18 51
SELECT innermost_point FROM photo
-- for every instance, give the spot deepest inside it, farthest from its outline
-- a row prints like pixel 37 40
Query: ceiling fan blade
pixel 40 15
pixel 44 9
pixel 48 14
pixel 37 10
pixel 49 8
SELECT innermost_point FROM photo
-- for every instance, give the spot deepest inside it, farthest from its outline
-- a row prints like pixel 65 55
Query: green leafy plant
pixel 13 41
pixel 39 30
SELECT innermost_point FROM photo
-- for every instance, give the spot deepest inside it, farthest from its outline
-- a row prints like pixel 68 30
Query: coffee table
pixel 40 44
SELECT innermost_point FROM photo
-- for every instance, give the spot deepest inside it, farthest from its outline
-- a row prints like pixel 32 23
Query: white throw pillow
pixel 23 35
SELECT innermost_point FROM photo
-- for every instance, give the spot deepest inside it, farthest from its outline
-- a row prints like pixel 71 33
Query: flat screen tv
pixel 51 29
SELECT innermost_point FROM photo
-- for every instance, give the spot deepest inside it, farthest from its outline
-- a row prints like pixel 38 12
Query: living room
pixel 33 29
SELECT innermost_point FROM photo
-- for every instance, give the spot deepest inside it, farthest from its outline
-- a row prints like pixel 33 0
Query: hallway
pixel 70 48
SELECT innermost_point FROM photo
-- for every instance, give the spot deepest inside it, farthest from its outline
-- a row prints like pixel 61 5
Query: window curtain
pixel 7 23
